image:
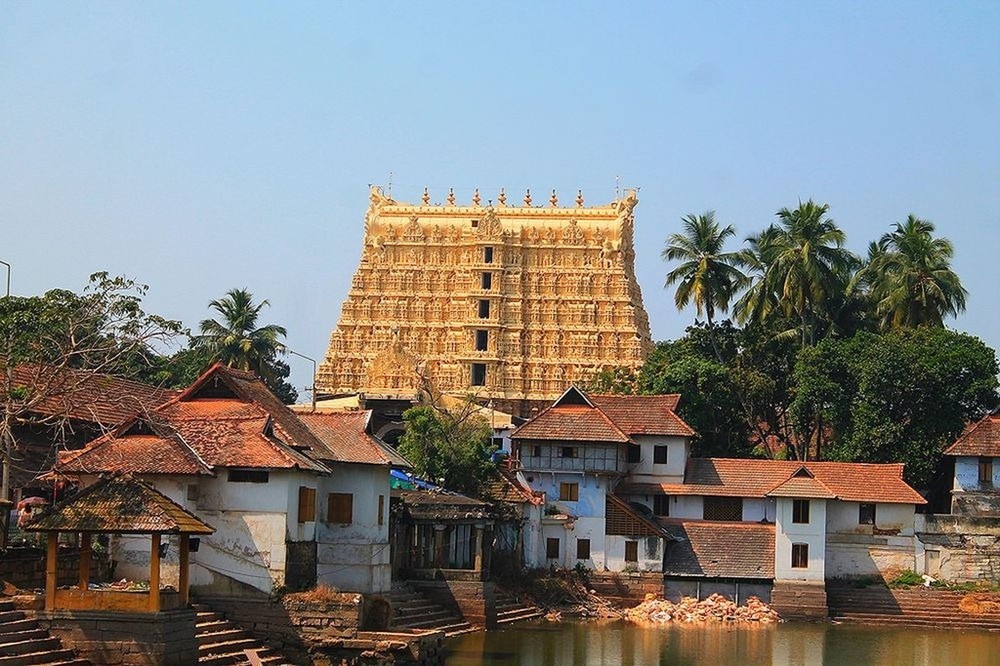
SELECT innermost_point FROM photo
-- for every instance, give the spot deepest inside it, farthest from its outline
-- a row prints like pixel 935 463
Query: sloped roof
pixel 441 505
pixel 141 448
pixel 803 485
pixel 505 487
pixel 577 416
pixel 87 396
pixel 119 505
pixel 982 439
pixel 623 520
pixel 719 549
pixel 345 438
pixel 644 414
pixel 737 477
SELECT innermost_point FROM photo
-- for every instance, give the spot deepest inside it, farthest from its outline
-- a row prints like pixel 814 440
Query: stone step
pixel 862 618
pixel 15 626
pixel 11 616
pixel 7 605
pixel 226 647
pixel 40 658
pixel 416 608
pixel 30 645
pixel 226 635
pixel 517 615
pixel 208 616
pixel 33 633
pixel 431 623
pixel 457 629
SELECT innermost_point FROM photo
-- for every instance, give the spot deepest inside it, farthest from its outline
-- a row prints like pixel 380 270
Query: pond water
pixel 573 642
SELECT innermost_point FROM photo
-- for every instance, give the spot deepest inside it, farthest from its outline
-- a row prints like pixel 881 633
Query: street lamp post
pixel 8 442
pixel 312 389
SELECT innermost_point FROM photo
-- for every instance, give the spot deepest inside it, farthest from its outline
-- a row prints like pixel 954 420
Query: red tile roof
pixel 719 549
pixel 128 451
pixel 576 416
pixel 88 396
pixel 803 487
pixel 122 505
pixel 733 477
pixel 982 439
pixel 505 487
pixel 345 438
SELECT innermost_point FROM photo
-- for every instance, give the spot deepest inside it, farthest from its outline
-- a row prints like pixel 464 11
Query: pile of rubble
pixel 715 608
pixel 980 604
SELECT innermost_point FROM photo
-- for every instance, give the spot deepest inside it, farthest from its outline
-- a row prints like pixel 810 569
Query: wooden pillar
pixel 154 573
pixel 51 571
pixel 85 561
pixel 183 576
pixel 439 552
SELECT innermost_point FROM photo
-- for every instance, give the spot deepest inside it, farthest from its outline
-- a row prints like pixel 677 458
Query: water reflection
pixel 579 643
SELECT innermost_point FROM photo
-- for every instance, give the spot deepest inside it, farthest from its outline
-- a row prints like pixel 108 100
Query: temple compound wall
pixel 506 303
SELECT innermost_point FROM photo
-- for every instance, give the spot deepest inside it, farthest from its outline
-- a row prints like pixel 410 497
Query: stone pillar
pixel 51 571
pixel 154 573
pixel 85 561
pixel 479 548
pixel 439 554
pixel 184 573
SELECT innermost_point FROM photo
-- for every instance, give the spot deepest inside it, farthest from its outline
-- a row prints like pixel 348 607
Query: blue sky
pixel 203 146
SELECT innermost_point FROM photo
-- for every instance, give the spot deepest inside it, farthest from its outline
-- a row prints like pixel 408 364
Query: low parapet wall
pixel 127 639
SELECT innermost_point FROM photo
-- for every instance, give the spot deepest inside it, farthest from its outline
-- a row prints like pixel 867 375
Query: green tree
pixel 451 449
pixel 806 270
pixel 910 277
pixel 103 329
pixel 894 397
pixel 707 275
pixel 238 341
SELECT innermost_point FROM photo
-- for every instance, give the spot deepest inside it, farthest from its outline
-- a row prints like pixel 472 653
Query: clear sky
pixel 203 146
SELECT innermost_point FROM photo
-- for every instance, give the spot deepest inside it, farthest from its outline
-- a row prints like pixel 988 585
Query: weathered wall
pixel 787 533
pixel 25 567
pixel 737 591
pixel 355 557
pixel 649 550
pixel 474 600
pixel 670 472
pixel 958 548
pixel 166 638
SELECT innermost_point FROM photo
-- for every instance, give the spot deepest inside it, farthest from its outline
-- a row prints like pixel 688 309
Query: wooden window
pixel 723 508
pixel 484 308
pixel 340 508
pixel 487 255
pixel 661 505
pixel 866 514
pixel 307 504
pixel 583 549
pixel 482 340
pixel 631 551
pixel 552 548
pixel 192 492
pixel 479 374
pixel 800 556
pixel 487 281
pixel 800 511
pixel 381 510
pixel 633 453
pixel 660 455
pixel 569 492
pixel 568 452
pixel 986 471
pixel 536 451
pixel 248 476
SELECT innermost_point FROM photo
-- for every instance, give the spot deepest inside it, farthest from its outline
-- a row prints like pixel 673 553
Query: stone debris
pixel 979 604
pixel 715 608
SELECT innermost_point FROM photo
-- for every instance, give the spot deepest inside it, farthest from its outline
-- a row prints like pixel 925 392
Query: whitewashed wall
pixel 671 472
pixel 967 474
pixel 812 533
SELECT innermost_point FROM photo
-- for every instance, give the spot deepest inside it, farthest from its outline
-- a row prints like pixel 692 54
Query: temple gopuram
pixel 509 304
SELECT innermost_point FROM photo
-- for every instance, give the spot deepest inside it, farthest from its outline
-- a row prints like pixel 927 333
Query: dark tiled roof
pixel 432 505
pixel 345 438
pixel 737 477
pixel 982 439
pixel 506 488
pixel 719 549
pixel 119 505
pixel 87 396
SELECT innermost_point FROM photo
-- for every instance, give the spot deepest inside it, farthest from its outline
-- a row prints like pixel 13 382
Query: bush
pixel 907 578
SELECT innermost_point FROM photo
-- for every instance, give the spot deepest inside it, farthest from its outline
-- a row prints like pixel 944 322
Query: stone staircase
pixel 800 601
pixel 23 643
pixel 221 641
pixel 412 610
pixel 510 609
pixel 914 607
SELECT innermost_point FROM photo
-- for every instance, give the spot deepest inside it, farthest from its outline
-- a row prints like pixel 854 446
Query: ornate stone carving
pixel 561 296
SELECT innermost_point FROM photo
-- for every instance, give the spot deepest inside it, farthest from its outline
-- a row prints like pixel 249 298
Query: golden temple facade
pixel 506 303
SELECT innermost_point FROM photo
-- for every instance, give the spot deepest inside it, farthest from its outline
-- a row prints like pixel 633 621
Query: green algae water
pixel 584 643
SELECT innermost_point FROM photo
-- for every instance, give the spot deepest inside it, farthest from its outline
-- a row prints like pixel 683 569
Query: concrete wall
pixel 355 557
pixel 671 472
pixel 958 548
pixel 675 589
pixel 787 533
pixel 649 549
pixel 854 549
pixel 842 518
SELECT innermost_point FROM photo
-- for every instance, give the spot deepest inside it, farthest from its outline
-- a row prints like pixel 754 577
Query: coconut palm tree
pixel 237 341
pixel 910 277
pixel 809 268
pixel 760 300
pixel 706 275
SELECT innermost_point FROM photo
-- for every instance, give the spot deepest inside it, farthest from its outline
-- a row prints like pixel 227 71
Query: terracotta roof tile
pixel 982 439
pixel 144 452
pixel 87 396
pixel 719 549
pixel 643 414
pixel 122 505
pixel 571 423
pixel 737 477
pixel 345 438
pixel 506 488
pixel 803 487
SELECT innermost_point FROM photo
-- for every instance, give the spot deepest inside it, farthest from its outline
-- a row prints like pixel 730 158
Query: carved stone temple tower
pixel 511 304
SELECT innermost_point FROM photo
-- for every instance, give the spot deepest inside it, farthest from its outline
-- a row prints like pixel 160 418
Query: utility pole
pixel 312 389
pixel 6 435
